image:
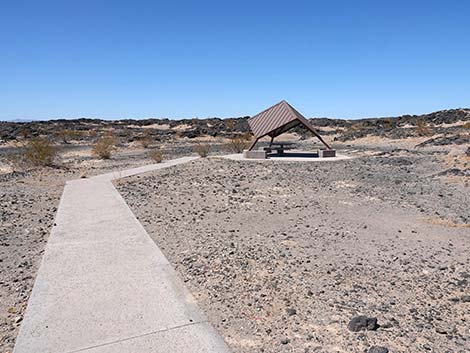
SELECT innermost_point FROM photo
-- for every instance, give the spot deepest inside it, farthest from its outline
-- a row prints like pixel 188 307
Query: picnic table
pixel 279 147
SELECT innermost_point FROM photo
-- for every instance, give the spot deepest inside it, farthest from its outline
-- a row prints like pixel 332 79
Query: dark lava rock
pixel 454 172
pixel 465 299
pixel 378 349
pixel 285 341
pixel 445 140
pixel 291 311
pixel 363 322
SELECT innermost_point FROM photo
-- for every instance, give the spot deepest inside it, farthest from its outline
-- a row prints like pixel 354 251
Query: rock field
pixel 369 254
pixel 282 257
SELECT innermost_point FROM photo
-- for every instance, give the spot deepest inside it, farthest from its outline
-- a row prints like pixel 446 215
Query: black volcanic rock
pixel 362 322
pixel 378 349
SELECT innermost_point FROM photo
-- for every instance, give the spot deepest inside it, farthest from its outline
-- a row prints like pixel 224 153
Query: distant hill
pixel 86 129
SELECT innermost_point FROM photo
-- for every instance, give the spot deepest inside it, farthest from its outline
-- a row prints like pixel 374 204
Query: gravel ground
pixel 256 216
pixel 282 256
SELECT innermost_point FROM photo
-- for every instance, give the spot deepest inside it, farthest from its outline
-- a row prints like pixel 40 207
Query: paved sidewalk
pixel 105 286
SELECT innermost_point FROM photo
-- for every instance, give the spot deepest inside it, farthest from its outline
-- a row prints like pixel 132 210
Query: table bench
pixel 279 147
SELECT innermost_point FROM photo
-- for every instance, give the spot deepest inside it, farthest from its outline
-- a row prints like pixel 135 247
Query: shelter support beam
pixel 253 144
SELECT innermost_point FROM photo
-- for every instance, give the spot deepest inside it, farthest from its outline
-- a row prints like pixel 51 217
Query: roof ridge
pixel 295 111
pixel 271 107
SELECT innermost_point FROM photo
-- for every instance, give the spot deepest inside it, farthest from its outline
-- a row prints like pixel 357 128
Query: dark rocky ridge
pixel 130 129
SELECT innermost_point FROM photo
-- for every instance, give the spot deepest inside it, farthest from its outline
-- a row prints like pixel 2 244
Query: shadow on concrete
pixel 295 155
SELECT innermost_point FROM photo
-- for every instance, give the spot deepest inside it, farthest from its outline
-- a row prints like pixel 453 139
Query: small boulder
pixel 291 311
pixel 362 322
pixel 378 349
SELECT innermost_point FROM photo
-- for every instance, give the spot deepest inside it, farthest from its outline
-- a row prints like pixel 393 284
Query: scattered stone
pixel 362 322
pixel 445 329
pixel 18 319
pixel 291 311
pixel 378 349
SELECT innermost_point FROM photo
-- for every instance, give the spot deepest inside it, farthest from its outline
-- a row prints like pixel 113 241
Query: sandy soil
pixel 281 256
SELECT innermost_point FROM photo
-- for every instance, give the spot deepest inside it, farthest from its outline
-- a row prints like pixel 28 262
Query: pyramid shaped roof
pixel 278 119
pixel 273 119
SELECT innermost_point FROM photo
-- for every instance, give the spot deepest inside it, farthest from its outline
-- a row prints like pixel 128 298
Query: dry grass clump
pixel 66 135
pixel 239 143
pixel 40 152
pixel 422 128
pixel 146 140
pixel 103 147
pixel 156 155
pixel 202 149
pixel 445 222
pixel 466 125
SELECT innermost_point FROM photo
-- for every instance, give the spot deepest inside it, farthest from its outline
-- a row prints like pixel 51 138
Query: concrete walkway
pixel 105 286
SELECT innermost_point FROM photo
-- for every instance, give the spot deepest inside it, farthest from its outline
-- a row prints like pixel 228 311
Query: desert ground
pixel 281 256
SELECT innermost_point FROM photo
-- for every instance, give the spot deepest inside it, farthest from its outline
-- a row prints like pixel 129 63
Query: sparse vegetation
pixel 239 143
pixel 230 124
pixel 467 125
pixel 65 135
pixel 40 152
pixel 202 149
pixel 156 155
pixel 387 124
pixel 146 140
pixel 24 133
pixel 422 128
pixel 103 147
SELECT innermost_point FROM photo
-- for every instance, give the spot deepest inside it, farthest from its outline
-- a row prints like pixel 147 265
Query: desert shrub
pixel 156 155
pixel 466 125
pixel 230 124
pixel 357 126
pixel 92 133
pixel 40 151
pixel 239 143
pixel 202 149
pixel 422 128
pixel 24 133
pixel 103 147
pixel 66 134
pixel 387 124
pixel 146 140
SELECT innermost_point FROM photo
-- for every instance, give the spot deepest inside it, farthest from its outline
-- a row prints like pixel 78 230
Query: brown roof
pixel 278 119
pixel 273 118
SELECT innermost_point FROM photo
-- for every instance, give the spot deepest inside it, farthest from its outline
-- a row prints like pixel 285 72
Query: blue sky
pixel 135 59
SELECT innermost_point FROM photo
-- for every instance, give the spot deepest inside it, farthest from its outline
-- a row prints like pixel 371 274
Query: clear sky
pixel 136 58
